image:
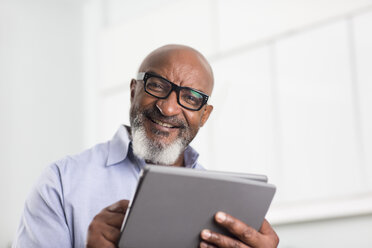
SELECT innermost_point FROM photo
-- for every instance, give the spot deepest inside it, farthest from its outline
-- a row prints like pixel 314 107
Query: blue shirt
pixel 75 189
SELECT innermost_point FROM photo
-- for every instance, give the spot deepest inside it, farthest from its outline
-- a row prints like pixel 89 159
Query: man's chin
pixel 156 148
pixel 162 137
pixel 161 140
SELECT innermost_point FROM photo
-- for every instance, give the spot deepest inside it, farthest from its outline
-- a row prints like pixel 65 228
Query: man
pixel 168 106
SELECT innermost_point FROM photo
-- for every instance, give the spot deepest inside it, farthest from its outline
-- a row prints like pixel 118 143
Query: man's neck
pixel 180 162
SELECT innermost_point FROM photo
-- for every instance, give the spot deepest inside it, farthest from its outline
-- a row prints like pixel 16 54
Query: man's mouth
pixel 163 124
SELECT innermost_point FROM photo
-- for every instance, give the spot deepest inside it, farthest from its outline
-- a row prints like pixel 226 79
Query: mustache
pixel 155 113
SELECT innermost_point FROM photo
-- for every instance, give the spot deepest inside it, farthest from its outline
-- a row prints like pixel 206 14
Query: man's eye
pixel 155 86
pixel 192 98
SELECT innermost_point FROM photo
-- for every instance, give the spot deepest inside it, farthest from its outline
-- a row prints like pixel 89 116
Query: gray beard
pixel 147 149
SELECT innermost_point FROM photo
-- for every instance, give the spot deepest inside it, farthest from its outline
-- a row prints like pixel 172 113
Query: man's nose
pixel 169 106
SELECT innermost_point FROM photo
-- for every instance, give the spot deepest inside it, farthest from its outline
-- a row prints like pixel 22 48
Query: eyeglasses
pixel 161 88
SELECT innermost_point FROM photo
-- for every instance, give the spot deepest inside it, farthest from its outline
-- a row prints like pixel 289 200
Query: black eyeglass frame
pixel 146 75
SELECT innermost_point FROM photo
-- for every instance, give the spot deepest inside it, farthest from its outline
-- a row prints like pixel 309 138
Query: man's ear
pixel 133 84
pixel 207 111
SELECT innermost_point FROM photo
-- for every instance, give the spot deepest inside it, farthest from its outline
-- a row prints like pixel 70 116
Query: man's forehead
pixel 169 57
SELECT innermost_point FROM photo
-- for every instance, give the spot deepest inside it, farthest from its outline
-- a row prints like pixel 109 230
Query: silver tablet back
pixel 172 206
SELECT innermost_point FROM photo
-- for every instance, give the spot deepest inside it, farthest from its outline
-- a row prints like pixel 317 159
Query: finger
pixel 119 207
pixel 220 240
pixel 95 237
pixel 111 234
pixel 206 245
pixel 97 243
pixel 267 230
pixel 238 228
pixel 110 218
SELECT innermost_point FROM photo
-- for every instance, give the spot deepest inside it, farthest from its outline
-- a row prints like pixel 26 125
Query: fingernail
pixel 220 217
pixel 206 234
pixel 203 245
pixel 115 208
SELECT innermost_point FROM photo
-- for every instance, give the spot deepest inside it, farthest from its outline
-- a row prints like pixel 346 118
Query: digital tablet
pixel 172 205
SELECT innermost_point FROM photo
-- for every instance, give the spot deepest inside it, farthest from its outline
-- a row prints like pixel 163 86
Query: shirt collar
pixel 191 157
pixel 119 147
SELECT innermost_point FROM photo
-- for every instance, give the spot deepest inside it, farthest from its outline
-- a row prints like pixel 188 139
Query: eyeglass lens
pixel 187 97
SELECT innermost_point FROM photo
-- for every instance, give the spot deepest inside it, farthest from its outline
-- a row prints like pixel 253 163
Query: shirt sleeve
pixel 43 222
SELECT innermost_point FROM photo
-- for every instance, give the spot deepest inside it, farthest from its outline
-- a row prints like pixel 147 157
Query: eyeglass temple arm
pixel 141 75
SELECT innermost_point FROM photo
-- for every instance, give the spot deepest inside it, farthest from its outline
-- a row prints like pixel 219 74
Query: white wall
pixel 352 231
pixel 292 99
pixel 41 94
pixel 302 116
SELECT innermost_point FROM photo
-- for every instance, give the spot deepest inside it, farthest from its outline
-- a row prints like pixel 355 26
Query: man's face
pixel 164 121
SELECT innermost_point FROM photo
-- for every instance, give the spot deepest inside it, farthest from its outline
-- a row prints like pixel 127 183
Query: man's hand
pixel 104 230
pixel 246 235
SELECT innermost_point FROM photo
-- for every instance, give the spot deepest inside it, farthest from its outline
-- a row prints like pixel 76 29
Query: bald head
pixel 182 62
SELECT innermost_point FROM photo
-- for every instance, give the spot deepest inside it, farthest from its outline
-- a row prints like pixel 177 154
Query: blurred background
pixel 292 98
